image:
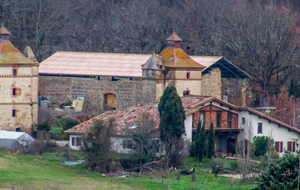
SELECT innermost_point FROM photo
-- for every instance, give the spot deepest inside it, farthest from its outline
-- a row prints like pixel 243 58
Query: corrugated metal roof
pixel 9 54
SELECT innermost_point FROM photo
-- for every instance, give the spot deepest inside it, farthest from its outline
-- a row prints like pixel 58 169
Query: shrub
pixel 54 134
pixel 261 145
pixel 233 165
pixel 66 123
pixel 216 165
pixel 44 126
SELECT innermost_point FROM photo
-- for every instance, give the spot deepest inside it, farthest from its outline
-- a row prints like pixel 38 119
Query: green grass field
pixel 22 172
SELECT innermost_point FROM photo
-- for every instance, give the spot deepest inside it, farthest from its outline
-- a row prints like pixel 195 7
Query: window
pixel 259 128
pixel 160 67
pixel 114 79
pixel 15 72
pixel 243 120
pixel 225 98
pixel 202 118
pixel 291 146
pixel 76 141
pixel 14 113
pixel 218 120
pixel 14 91
pixel 98 77
pixel 188 75
pixel 228 120
pixel 127 144
pixel 187 92
pixel 18 129
pixel 279 146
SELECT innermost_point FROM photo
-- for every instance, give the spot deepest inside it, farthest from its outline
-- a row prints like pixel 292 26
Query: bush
pixel 66 123
pixel 261 144
pixel 216 165
pixel 233 165
pixel 54 134
pixel 44 126
pixel 192 149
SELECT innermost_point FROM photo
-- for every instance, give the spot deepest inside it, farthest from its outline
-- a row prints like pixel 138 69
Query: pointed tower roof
pixel 3 30
pixel 174 37
pixel 151 62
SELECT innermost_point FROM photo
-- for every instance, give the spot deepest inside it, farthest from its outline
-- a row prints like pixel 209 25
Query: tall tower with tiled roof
pixel 18 87
pixel 173 67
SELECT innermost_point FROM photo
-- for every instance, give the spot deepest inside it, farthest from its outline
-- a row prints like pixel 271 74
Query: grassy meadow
pixel 24 172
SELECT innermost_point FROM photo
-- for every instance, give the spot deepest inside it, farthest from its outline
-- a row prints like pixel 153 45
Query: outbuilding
pixel 15 140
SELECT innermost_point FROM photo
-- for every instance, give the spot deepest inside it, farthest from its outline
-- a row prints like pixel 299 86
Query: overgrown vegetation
pixel 262 145
pixel 200 141
pixel 97 146
pixel 211 141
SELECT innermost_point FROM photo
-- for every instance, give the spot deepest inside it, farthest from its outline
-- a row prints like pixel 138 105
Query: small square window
pixel 14 113
pixel 243 120
pixel 259 128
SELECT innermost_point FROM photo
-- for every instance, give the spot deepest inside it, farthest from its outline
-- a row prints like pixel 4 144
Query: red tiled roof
pixel 127 117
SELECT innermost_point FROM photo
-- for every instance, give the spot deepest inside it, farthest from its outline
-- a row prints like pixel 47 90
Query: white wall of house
pixel 117 144
pixel 74 145
pixel 278 134
pixel 188 124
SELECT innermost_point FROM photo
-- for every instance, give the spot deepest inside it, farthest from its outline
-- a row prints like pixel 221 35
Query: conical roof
pixel 174 37
pixel 151 62
pixel 3 30
pixel 9 54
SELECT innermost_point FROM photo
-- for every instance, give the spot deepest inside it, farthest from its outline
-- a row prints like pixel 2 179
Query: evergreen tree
pixel 281 174
pixel 211 141
pixel 171 125
pixel 171 114
pixel 200 141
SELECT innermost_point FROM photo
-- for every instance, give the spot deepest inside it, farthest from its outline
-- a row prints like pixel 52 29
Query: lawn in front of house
pixel 46 172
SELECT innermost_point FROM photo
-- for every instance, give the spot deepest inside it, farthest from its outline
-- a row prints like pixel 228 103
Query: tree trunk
pixel 216 175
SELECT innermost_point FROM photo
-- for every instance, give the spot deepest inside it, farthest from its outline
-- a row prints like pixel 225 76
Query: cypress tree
pixel 172 116
pixel 197 143
pixel 211 141
pixel 201 142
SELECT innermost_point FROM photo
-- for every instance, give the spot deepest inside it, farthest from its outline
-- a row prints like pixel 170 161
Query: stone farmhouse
pixel 18 86
pixel 114 80
pixel 231 124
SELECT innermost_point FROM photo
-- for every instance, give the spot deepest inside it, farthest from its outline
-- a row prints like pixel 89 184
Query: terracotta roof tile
pixel 127 117
pixel 11 55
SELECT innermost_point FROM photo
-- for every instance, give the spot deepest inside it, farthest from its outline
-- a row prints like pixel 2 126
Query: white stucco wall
pixel 278 134
pixel 188 124
pixel 70 143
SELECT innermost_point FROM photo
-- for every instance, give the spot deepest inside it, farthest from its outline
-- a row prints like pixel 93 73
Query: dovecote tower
pixel 18 87
pixel 171 67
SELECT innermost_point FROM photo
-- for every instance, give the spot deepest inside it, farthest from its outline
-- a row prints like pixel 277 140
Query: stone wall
pixel 211 83
pixel 56 89
pixel 128 92
pixel 64 89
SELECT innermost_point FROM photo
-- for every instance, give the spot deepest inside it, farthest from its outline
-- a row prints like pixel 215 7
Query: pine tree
pixel 197 143
pixel 211 141
pixel 281 174
pixel 171 114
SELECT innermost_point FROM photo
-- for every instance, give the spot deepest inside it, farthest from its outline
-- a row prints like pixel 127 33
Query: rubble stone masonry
pixel 211 84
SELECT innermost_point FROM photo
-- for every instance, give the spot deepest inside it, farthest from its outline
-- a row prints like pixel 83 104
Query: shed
pixel 15 140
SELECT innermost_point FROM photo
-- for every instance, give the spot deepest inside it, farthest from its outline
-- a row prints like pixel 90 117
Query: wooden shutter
pixel 73 141
pixel 289 146
pixel 78 142
pixel 277 146
pixel 294 146
pixel 281 147
pixel 124 144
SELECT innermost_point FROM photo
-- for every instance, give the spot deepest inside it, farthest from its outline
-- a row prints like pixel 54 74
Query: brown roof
pixel 127 117
pixel 3 30
pixel 11 55
pixel 174 37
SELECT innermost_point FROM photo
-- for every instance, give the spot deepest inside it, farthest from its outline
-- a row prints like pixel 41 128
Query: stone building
pixel 18 87
pixel 116 80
